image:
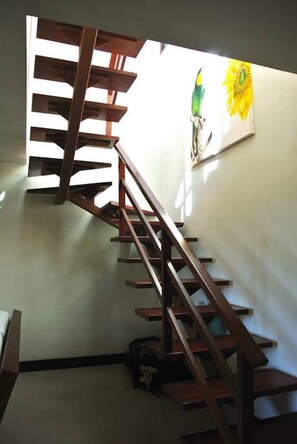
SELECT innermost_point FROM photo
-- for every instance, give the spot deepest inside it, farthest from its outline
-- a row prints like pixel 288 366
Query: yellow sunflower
pixel 239 88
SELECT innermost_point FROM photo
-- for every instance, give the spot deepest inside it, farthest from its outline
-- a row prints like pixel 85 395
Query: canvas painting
pixel 221 107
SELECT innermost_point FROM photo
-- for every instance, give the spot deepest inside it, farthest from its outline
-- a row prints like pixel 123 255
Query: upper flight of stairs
pixel 112 79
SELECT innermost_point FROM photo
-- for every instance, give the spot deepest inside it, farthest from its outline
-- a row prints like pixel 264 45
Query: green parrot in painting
pixel 197 119
pixel 197 95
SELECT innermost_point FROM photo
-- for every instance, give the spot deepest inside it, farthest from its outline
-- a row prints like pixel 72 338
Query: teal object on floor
pixel 217 327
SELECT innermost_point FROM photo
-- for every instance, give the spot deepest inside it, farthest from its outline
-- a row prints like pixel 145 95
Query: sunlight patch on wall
pixel 184 198
pixel 207 169
pixel 2 198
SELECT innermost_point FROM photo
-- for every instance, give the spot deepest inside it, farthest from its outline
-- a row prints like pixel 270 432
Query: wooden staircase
pixel 80 75
pixel 238 389
pixel 155 236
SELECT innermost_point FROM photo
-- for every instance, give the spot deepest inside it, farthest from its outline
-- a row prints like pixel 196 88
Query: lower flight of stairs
pixel 281 429
pixel 267 381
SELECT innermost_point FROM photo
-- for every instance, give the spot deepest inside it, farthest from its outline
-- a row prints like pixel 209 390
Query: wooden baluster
pixel 122 199
pixel 110 94
pixel 167 335
pixel 245 401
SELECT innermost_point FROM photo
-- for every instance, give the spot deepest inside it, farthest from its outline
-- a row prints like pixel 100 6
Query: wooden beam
pixel 91 208
pixel 88 40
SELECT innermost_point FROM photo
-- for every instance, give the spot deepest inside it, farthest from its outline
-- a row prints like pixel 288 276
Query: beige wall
pixel 58 266
pixel 245 211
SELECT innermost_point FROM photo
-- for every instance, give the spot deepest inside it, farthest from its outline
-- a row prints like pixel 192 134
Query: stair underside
pixel 281 429
pixel 226 344
pixel 157 261
pixel 266 382
pixel 207 311
pixel 48 68
pixel 91 189
pixel 42 166
pixel 106 41
pixel 84 139
pixel 42 103
pixel 188 283
pixel 144 239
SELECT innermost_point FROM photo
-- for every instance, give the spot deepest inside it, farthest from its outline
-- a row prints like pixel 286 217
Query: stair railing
pixel 249 353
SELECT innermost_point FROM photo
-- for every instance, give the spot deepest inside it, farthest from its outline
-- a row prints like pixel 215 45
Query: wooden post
pixel 87 45
pixel 167 335
pixel 122 199
pixel 116 62
pixel 245 401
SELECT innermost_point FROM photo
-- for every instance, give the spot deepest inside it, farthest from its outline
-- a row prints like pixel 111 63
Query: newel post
pixel 122 199
pixel 166 292
pixel 245 401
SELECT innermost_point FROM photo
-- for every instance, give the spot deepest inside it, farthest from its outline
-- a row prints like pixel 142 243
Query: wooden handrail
pixel 245 342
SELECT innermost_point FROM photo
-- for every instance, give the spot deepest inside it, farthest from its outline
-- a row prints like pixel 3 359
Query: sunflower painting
pixel 238 82
pixel 224 92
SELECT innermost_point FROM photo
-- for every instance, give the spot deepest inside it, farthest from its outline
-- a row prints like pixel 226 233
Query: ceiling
pixel 259 31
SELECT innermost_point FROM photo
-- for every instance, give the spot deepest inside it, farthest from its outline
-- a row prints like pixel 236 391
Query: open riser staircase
pixel 184 325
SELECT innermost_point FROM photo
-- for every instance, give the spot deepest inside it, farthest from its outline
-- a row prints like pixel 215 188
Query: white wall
pixel 242 204
pixel 58 267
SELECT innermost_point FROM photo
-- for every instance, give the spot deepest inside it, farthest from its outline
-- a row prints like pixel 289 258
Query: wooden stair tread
pixel 157 260
pixel 84 139
pixel 95 188
pixel 266 382
pixel 115 206
pixel 273 431
pixel 188 283
pixel 226 343
pixel 144 239
pixel 64 71
pixel 42 103
pixel 106 41
pixel 207 311
pixel 42 166
pixel 153 223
